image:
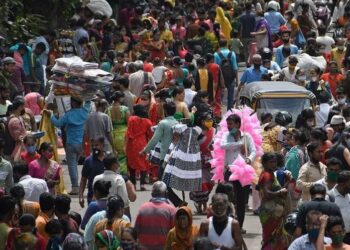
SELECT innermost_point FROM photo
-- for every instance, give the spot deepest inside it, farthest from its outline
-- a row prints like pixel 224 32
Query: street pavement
pixel 251 223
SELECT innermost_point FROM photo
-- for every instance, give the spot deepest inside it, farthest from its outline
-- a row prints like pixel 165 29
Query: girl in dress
pixel 137 136
pixel 45 168
pixel 200 198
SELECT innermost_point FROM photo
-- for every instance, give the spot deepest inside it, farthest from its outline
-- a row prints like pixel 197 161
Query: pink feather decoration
pixel 242 172
pixel 251 126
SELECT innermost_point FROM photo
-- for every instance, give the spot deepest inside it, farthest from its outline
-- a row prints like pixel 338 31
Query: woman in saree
pixel 147 100
pixel 119 115
pixel 225 24
pixel 45 168
pixel 273 207
pixel 262 33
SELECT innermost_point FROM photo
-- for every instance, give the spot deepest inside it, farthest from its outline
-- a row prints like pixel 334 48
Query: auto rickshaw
pixel 272 97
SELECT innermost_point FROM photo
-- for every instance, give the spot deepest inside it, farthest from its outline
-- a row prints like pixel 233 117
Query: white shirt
pixel 158 72
pixel 321 115
pixel 63 102
pixel 118 185
pixel 225 238
pixel 189 94
pixel 137 82
pixel 343 203
pixel 33 187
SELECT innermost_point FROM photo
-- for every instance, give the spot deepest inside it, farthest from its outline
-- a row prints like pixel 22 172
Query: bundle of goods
pixel 80 79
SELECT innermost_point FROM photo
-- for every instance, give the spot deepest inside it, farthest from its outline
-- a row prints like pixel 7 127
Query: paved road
pixel 251 224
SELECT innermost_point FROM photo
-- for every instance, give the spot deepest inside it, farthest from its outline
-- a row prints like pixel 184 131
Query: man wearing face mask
pixel 253 73
pixel 340 98
pixel 334 166
pixel 338 53
pixel 281 52
pixel 233 142
pixel 342 198
pixel 311 171
pixel 336 231
pixel 333 77
pixel 317 202
pixel 93 166
pixel 308 241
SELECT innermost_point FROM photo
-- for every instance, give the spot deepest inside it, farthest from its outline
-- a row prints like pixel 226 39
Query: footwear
pixel 74 191
pixel 142 188
pixel 243 231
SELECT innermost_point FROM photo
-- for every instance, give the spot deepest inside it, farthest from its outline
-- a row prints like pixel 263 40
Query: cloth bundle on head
pixel 250 124
pixel 100 7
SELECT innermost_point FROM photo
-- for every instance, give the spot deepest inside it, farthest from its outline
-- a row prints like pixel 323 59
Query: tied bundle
pixel 79 79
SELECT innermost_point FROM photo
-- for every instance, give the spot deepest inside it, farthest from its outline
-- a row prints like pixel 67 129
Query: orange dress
pixel 137 135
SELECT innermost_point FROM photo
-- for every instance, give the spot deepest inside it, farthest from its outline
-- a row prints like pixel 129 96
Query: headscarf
pixel 76 238
pixel 184 238
pixel 31 102
pixel 225 24
pixel 108 238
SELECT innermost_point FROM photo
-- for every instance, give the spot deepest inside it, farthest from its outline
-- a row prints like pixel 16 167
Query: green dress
pixel 179 116
pixel 118 134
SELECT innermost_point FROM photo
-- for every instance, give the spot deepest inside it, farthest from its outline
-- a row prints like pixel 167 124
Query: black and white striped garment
pixel 183 169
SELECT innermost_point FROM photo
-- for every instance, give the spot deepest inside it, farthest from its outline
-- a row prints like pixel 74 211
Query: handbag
pixel 154 154
pixel 299 40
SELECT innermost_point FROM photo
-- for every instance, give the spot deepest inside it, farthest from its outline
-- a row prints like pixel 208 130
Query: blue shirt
pixel 26 58
pixel 274 20
pixel 279 55
pixel 252 75
pixel 225 52
pixel 73 121
pixel 247 21
pixel 303 243
pixel 91 168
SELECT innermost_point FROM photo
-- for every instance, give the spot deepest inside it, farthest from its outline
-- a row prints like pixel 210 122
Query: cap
pixel 8 60
pixel 337 120
pixel 284 29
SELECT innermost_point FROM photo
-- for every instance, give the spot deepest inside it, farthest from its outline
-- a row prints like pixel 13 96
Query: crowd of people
pixel 175 73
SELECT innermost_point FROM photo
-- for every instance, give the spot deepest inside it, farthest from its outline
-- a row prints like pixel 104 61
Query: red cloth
pixel 333 80
pixel 137 136
pixel 27 158
pixel 148 67
pixel 215 70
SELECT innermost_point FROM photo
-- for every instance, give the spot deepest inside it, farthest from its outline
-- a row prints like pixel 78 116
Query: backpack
pixel 226 68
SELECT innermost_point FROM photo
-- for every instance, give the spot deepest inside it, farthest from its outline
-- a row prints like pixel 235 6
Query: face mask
pixel 337 239
pixel 342 101
pixel 96 152
pixel 31 149
pixel 257 65
pixel 286 40
pixel 313 233
pixel 332 176
pixel 233 131
pixel 208 124
pixel 301 78
pixel 341 48
pixel 127 245
pixel 314 78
